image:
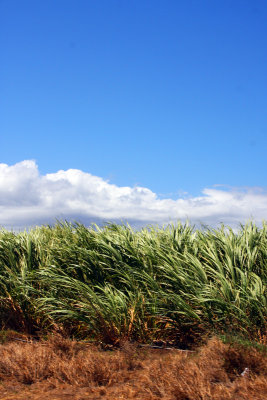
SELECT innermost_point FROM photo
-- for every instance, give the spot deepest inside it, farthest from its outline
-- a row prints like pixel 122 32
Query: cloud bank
pixel 28 198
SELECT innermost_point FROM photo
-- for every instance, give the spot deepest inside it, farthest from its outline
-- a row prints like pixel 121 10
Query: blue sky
pixel 166 95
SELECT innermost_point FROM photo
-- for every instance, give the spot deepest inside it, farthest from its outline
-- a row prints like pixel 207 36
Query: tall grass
pixel 114 283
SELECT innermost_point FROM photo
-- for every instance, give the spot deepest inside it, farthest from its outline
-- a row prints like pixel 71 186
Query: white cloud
pixel 28 198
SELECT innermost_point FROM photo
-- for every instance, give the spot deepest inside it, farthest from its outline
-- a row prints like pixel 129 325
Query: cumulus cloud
pixel 28 198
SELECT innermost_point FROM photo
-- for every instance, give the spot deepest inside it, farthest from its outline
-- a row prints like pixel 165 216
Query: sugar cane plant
pixel 115 283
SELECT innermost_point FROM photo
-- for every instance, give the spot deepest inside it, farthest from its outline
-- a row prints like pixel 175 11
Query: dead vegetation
pixel 63 369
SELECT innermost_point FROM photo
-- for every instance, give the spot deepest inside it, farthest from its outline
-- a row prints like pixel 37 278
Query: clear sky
pixel 167 95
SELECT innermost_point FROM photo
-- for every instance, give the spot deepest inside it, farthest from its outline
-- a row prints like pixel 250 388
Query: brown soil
pixel 63 369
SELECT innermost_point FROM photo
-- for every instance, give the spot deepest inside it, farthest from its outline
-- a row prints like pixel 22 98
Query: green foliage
pixel 115 283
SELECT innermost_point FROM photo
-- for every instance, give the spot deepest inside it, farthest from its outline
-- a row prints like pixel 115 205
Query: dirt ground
pixel 63 369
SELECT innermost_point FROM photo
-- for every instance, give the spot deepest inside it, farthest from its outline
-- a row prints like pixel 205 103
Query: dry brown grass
pixel 64 369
